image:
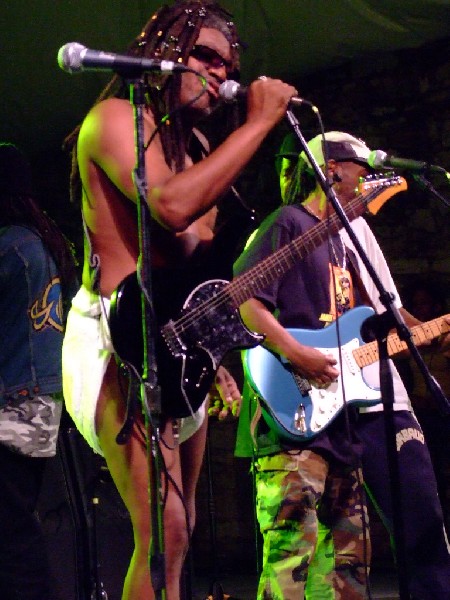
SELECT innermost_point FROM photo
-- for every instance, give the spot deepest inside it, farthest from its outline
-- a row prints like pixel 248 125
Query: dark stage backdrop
pixel 400 103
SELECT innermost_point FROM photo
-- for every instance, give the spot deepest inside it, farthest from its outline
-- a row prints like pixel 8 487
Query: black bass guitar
pixel 191 346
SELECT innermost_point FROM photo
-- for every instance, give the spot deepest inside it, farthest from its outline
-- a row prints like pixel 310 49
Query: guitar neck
pixel 245 286
pixel 368 353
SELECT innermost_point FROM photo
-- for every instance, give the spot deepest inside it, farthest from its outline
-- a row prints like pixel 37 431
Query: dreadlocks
pixel 170 34
pixel 18 207
pixel 301 181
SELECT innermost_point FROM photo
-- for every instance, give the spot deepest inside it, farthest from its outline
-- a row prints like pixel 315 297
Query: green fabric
pixel 267 442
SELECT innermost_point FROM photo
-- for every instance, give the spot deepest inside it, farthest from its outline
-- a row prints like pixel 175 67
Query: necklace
pixel 342 267
pixel 311 212
pixel 343 289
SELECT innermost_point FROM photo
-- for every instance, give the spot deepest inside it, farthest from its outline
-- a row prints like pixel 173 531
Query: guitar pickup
pixel 300 419
pixel 172 340
pixel 303 385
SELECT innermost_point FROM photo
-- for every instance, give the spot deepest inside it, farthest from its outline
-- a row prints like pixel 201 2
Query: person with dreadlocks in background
pixel 37 282
pixel 185 182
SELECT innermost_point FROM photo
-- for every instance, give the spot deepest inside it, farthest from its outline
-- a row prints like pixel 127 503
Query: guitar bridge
pixel 300 419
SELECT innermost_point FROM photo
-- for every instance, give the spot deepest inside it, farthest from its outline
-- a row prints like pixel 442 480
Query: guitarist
pixel 309 496
pixel 183 190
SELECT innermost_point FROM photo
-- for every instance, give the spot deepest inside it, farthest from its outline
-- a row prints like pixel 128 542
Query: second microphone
pixel 231 91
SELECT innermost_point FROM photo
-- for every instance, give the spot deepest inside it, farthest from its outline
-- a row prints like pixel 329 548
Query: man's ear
pixel 332 172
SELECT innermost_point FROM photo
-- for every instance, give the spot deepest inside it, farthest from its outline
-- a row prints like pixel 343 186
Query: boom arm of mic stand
pixel 427 185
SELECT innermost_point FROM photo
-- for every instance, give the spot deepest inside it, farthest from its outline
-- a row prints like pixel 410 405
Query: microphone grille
pixel 228 90
pixel 69 57
pixel 376 159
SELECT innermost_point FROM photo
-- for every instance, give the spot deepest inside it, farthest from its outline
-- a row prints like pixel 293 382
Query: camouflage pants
pixel 310 516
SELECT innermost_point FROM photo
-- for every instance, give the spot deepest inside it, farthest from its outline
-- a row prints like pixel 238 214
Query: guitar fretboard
pixel 368 354
pixel 246 285
pixel 274 266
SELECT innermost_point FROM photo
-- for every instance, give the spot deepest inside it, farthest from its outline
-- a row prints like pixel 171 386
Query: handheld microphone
pixel 231 91
pixel 378 159
pixel 73 58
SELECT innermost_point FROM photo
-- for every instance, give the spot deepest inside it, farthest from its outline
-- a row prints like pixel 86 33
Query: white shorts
pixel 86 352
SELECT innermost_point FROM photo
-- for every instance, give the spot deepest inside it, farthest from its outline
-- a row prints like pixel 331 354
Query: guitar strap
pixel 255 418
pixel 365 298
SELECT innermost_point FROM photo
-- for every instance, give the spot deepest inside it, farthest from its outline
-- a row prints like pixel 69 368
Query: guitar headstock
pixel 377 188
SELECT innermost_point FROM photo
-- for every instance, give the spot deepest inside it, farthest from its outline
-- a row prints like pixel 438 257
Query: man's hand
pixel 315 365
pixel 225 398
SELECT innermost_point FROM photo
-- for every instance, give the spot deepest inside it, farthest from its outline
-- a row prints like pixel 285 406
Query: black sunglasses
pixel 361 162
pixel 210 57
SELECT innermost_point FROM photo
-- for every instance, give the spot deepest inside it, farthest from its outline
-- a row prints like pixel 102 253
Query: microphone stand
pixel 427 185
pixel 378 327
pixel 150 392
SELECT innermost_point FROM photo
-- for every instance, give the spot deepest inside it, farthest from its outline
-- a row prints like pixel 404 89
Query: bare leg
pixel 129 469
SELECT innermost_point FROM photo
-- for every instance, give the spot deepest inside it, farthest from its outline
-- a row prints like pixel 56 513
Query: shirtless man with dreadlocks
pixel 183 189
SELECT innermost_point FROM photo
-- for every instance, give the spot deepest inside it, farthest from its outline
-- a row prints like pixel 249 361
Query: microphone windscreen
pixel 69 57
pixel 376 159
pixel 229 90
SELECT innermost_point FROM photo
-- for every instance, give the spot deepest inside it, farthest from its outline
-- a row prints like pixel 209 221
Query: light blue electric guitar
pixel 298 409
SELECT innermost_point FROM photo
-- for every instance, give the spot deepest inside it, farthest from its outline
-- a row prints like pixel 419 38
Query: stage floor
pixel 384 586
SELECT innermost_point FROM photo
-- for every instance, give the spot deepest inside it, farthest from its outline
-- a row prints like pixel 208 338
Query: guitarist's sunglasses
pixel 210 57
pixel 360 162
